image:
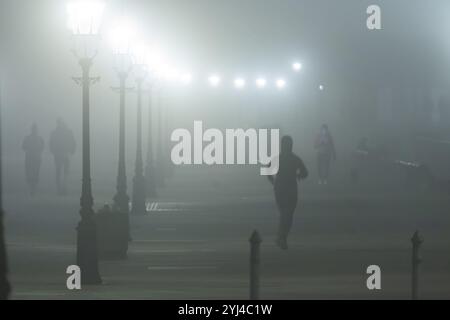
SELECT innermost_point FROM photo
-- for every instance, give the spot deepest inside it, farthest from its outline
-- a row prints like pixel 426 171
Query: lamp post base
pixel 122 205
pixel 150 180
pixel 87 257
pixel 121 202
pixel 160 175
pixel 112 233
pixel 138 203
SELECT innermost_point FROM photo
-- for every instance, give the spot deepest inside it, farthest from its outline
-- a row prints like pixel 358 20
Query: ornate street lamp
pixel 139 60
pixel 155 62
pixel 150 166
pixel 84 22
pixel 159 147
pixel 121 38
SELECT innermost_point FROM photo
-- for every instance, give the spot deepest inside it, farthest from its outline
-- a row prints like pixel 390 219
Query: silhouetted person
pixel 33 145
pixel 291 169
pixel 324 145
pixel 62 146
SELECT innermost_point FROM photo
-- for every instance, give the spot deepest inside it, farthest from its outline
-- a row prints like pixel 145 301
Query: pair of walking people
pixel 62 145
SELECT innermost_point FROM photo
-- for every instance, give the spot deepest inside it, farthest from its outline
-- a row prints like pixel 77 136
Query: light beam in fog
pixel 297 66
pixel 239 83
pixel 261 82
pixel 84 17
pixel 214 80
pixel 280 83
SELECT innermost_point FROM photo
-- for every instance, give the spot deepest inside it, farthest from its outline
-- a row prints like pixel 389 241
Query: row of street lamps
pixel 84 20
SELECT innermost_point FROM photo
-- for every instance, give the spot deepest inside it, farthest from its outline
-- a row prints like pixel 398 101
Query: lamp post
pixel 168 167
pixel 84 21
pixel 138 199
pixel 121 39
pixel 5 288
pixel 121 198
pixel 160 150
pixel 122 60
pixel 150 167
pixel 157 67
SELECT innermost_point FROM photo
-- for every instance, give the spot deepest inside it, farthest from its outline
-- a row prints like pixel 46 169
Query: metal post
pixel 416 260
pixel 121 199
pixel 255 242
pixel 5 287
pixel 138 205
pixel 168 168
pixel 160 150
pixel 150 168
pixel 87 256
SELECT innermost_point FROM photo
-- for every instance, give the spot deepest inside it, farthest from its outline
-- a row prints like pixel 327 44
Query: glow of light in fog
pixel 239 83
pixel 122 36
pixel 85 17
pixel 296 66
pixel 321 88
pixel 280 83
pixel 214 80
pixel 155 59
pixel 169 73
pixel 261 82
pixel 186 78
pixel 139 54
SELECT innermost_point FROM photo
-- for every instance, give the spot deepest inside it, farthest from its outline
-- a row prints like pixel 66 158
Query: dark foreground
pixel 197 248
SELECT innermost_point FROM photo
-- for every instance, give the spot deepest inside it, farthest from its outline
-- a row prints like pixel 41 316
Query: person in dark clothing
pixel 324 145
pixel 33 145
pixel 291 169
pixel 62 146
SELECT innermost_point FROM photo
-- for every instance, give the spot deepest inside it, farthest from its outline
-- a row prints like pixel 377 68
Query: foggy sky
pixel 329 37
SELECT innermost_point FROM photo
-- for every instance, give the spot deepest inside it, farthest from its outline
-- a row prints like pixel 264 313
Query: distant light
pixel 297 66
pixel 155 58
pixel 170 74
pixel 214 80
pixel 85 17
pixel 239 83
pixel 122 36
pixel 321 87
pixel 139 54
pixel 186 78
pixel 261 82
pixel 280 83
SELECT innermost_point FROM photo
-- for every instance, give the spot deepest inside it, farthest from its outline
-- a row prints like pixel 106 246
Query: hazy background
pixel 388 85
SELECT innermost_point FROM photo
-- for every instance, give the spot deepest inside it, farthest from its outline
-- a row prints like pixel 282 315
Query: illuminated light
pixel 172 74
pixel 186 78
pixel 239 83
pixel 321 88
pixel 261 82
pixel 155 58
pixel 280 83
pixel 85 17
pixel 168 73
pixel 297 66
pixel 122 36
pixel 139 54
pixel 214 80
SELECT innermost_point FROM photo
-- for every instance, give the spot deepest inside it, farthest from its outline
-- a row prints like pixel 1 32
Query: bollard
pixel 255 241
pixel 416 260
